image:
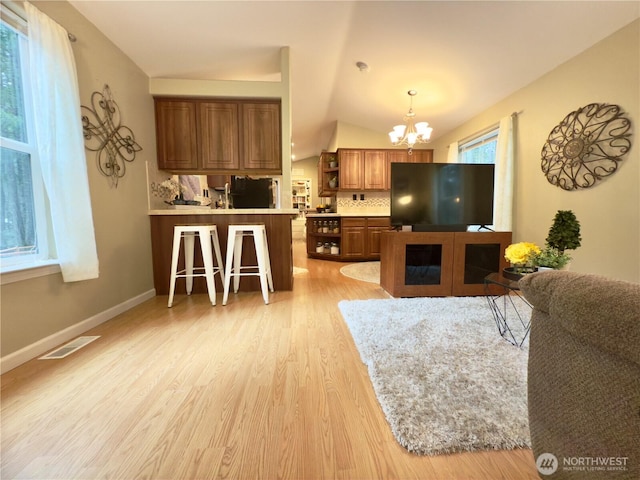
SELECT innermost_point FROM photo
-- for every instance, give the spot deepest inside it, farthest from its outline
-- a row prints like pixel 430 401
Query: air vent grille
pixel 69 348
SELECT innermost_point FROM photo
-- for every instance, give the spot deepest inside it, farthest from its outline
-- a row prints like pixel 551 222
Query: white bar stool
pixel 234 259
pixel 207 234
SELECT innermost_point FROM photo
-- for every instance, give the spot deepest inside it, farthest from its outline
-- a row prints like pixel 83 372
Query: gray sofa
pixel 584 375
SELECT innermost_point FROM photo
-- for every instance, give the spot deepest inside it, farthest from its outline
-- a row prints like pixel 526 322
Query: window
pixel 481 148
pixel 23 213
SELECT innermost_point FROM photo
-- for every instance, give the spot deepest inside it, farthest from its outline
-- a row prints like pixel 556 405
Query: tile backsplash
pixel 374 203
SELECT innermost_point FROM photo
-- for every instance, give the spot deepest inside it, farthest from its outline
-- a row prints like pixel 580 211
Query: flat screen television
pixel 441 196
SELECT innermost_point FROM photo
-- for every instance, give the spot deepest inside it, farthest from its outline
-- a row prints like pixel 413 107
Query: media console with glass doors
pixel 430 264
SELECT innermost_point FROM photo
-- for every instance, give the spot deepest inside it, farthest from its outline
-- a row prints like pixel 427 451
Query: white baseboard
pixel 29 352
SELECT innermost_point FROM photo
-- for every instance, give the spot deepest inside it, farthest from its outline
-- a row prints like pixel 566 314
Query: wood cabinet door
pixel 476 255
pixel 397 156
pixel 351 165
pixel 375 170
pixel 375 227
pixel 421 156
pixel 219 140
pixel 176 136
pixel 261 143
pixel 354 237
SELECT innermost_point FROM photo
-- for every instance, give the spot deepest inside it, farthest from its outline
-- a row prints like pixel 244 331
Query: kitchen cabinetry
pixel 351 169
pixel 261 137
pixel 370 169
pixel 376 173
pixel 323 232
pixel 420 156
pixel 218 136
pixel 328 171
pixel 357 238
pixel 363 169
pixel 354 238
pixel 176 138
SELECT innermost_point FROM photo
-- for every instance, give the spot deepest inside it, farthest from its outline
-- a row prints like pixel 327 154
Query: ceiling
pixel 461 57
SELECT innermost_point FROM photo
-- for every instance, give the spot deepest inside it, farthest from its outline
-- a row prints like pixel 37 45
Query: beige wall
pixel 37 308
pixel 608 212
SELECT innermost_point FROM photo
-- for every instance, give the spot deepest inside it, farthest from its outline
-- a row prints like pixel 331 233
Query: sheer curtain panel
pixel 503 188
pixel 452 154
pixel 58 127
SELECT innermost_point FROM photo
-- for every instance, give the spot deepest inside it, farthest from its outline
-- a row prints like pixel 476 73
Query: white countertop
pixel 312 215
pixel 221 211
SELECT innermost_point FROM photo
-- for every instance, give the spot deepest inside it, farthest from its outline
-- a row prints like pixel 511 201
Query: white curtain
pixel 503 187
pixel 452 155
pixel 58 128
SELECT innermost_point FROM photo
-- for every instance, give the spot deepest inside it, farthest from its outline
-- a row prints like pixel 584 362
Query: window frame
pixel 484 137
pixel 42 261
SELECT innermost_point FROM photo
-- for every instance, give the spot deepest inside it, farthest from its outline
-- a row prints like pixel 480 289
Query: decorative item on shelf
pixel 333 182
pixel 104 133
pixel 410 133
pixel 172 193
pixel 323 208
pixel 586 146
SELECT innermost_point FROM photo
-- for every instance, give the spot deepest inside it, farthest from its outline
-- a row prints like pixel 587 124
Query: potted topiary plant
pixel 564 233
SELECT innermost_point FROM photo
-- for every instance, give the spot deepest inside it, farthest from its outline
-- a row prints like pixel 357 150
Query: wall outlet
pixel 362 196
pixel 355 197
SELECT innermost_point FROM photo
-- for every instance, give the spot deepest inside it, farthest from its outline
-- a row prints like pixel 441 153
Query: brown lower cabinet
pixel 346 239
pixel 425 264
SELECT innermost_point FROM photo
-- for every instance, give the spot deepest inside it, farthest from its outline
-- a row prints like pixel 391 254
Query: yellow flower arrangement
pixel 522 253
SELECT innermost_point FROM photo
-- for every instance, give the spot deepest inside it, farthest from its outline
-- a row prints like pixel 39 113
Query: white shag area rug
pixel 445 379
pixel 364 271
pixel 299 270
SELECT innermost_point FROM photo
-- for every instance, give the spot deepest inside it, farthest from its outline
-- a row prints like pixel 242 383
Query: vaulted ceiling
pixel 461 56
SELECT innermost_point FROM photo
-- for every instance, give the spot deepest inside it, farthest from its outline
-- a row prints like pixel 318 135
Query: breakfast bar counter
pixel 278 226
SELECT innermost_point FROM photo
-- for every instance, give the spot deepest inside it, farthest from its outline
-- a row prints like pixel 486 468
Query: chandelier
pixel 410 133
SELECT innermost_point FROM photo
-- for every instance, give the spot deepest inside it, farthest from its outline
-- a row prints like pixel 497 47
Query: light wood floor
pixel 245 391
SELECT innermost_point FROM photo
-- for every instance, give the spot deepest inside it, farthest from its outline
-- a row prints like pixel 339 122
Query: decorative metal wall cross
pixel 103 133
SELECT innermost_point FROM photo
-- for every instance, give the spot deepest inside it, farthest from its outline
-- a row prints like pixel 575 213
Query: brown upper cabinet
pixel 370 169
pixel 218 136
pixel 328 174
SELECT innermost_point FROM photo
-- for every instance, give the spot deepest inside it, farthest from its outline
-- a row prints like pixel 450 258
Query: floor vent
pixel 69 348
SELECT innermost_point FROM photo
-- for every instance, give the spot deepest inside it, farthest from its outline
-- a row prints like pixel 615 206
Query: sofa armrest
pixel 598 310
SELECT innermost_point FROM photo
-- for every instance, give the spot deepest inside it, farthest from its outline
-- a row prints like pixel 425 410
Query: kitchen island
pixel 278 227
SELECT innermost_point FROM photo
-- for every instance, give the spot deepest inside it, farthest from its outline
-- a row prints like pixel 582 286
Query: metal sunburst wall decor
pixel 104 133
pixel 586 146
